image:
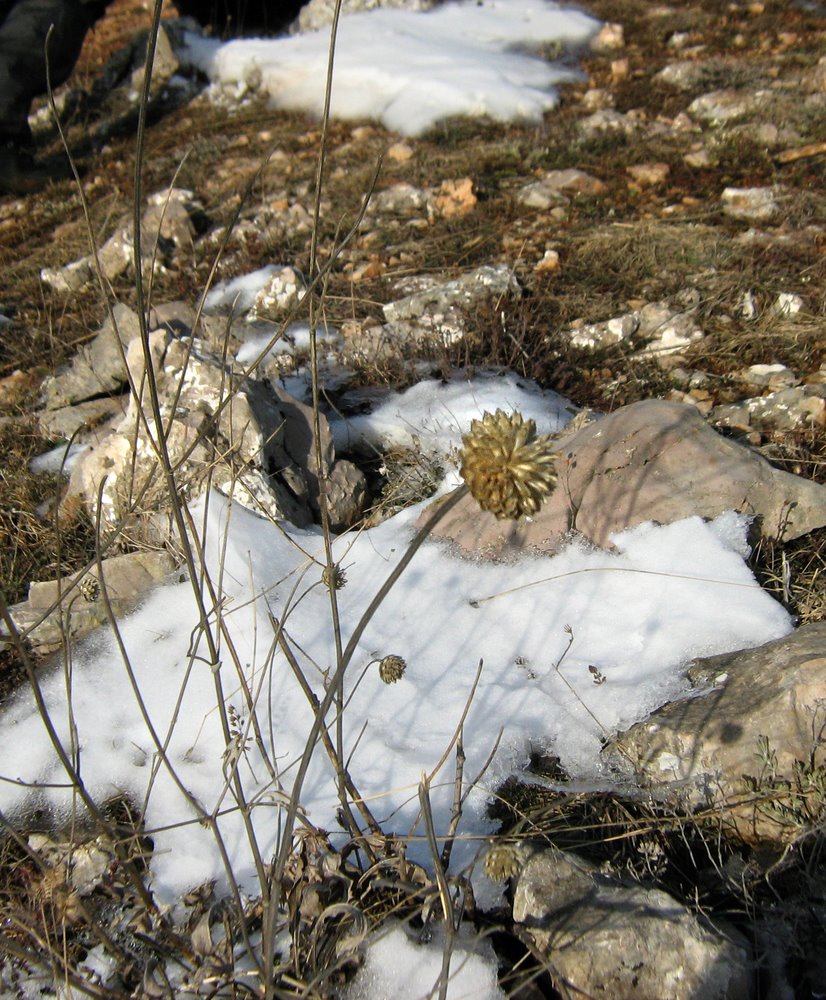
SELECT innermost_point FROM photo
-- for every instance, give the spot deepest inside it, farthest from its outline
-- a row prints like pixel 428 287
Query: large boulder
pixel 650 461
pixel 605 939
pixel 749 741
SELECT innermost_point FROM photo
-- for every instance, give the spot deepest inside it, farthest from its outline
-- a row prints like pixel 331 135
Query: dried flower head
pixel 89 588
pixel 502 861
pixel 337 578
pixel 391 669
pixel 508 469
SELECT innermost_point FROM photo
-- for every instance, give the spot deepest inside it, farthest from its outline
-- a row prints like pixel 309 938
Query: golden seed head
pixel 501 862
pixel 391 669
pixel 506 466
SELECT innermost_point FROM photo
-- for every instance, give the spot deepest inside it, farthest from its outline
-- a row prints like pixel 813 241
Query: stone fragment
pixel 127 579
pixel 167 225
pixel 281 292
pixel 540 195
pixel 648 174
pixel 607 333
pixel 549 264
pixel 597 98
pixel 557 186
pixel 686 74
pixel 164 65
pixel 608 120
pixel 700 159
pixel 784 410
pixel 667 330
pixel 318 14
pixel 346 495
pixel 453 198
pixel 602 938
pixel 609 38
pixel 475 286
pixel 720 107
pixel 66 421
pixel 787 304
pixel 399 152
pixel 752 712
pixel 400 199
pixel 758 204
pixel 650 461
pixel 98 368
pixel 771 377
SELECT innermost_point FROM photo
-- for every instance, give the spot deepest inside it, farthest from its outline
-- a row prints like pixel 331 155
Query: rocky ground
pixel 660 236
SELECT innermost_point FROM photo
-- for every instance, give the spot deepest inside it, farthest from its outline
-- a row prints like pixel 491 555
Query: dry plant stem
pixel 173 495
pixel 208 819
pixel 95 926
pixel 444 888
pixel 458 800
pixel 342 778
pixel 332 752
pixel 312 737
pixel 73 775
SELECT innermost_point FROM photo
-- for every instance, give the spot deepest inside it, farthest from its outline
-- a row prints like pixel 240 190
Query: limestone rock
pixel 609 38
pixel 400 199
pixel 650 461
pixel 758 204
pixel 167 225
pixel 66 421
pixel 704 744
pixel 475 286
pixel 346 495
pixel 787 409
pixel 724 106
pixel 685 74
pixel 127 579
pixel 643 175
pixel 608 120
pixel 98 368
pixel 318 14
pixel 625 942
pixel 558 186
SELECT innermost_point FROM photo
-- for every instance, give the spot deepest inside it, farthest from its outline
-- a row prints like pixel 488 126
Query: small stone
pixel 648 174
pixel 597 98
pixel 399 199
pixel 683 75
pixel 720 107
pixel 608 121
pixel 609 38
pixel 787 304
pixel 280 293
pixel 454 198
pixel 757 203
pixel 620 70
pixel 606 939
pixel 769 376
pixel 699 159
pixel 399 152
pixel 361 133
pixel 549 263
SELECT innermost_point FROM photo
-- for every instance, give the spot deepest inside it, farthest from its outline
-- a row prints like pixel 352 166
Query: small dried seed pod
pixel 502 861
pixel 391 669
pixel 508 469
pixel 337 577
pixel 89 588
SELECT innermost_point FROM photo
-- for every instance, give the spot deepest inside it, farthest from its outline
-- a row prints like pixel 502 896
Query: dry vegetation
pixel 625 246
